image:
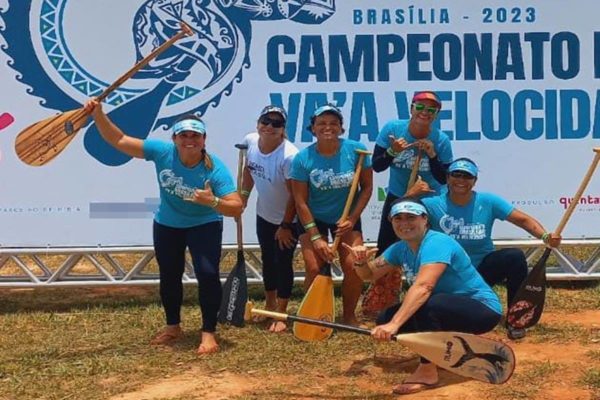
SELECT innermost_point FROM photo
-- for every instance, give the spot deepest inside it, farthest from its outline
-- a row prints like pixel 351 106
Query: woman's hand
pixel 399 145
pixel 419 188
pixel 344 226
pixel 285 238
pixel 385 331
pixel 93 107
pixel 361 253
pixel 204 196
pixel 426 145
pixel 322 249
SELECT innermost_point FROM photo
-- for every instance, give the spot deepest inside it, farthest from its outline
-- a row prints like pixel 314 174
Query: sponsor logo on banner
pixel 587 202
pixel 5 120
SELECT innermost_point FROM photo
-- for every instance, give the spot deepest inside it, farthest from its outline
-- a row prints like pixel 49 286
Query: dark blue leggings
pixel 278 273
pixel 446 312
pixel 505 265
pixel 386 236
pixel 204 243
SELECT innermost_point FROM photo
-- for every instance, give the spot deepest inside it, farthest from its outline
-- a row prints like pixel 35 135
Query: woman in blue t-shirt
pixel 196 190
pixel 321 177
pixel 446 293
pixel 468 216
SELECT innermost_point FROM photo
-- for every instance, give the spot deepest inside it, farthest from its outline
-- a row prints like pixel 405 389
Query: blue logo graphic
pixel 52 51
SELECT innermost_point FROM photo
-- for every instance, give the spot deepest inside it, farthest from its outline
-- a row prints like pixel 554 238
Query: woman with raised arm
pixel 267 168
pixel 321 176
pixel 196 190
pixel 446 293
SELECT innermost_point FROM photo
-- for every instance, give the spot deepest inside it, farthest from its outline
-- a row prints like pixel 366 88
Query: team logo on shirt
pixel 407 159
pixel 174 185
pixel 459 230
pixel 328 179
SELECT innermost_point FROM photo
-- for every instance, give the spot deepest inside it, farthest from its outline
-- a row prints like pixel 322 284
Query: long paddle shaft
pixel 42 141
pixel 464 354
pixel 351 194
pixel 528 303
pixel 240 180
pixel 415 170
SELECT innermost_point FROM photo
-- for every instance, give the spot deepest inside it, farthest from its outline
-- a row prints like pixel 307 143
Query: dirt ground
pixel 567 361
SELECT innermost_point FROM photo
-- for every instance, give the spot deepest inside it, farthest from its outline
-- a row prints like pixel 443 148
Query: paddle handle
pixel 415 169
pixel 185 31
pixel 350 199
pixel 240 180
pixel 577 197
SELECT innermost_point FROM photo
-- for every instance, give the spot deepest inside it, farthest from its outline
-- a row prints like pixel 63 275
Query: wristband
pixel 245 193
pixel 311 224
pixel 545 237
pixel 315 237
pixel 391 152
pixel 215 202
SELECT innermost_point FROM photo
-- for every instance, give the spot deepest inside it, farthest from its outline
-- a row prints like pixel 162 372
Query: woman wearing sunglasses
pixel 468 216
pixel 446 293
pixel 196 190
pixel 267 168
pixel 409 148
pixel 322 175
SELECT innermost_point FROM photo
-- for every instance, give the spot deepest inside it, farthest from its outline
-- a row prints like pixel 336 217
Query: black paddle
pixel 235 290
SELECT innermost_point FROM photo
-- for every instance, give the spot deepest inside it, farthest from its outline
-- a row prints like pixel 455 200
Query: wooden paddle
pixel 41 142
pixel 464 354
pixel 235 289
pixel 528 303
pixel 319 300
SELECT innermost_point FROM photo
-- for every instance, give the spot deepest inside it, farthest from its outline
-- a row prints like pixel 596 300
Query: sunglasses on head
pixel 461 175
pixel 422 107
pixel 275 123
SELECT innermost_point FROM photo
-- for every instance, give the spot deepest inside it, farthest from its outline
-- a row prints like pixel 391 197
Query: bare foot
pixel 208 344
pixel 167 335
pixel 424 377
pixel 277 327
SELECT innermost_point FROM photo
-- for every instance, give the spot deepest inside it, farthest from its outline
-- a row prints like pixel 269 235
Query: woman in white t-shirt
pixel 267 168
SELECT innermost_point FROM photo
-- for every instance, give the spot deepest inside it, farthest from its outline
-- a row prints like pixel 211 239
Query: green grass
pixel 58 343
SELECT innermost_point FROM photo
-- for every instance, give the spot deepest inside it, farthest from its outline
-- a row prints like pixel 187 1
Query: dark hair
pixel 205 156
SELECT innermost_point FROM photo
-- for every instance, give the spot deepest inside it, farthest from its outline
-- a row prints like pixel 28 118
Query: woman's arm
pixel 533 227
pixel 284 234
pixel 247 185
pixel 229 205
pixel 381 159
pixel 112 134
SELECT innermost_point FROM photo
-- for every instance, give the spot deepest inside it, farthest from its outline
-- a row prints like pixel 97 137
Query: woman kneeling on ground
pixel 446 292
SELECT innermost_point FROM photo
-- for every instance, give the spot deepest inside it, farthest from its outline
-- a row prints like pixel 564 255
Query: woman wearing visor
pixel 267 168
pixel 321 177
pixel 196 190
pixel 468 216
pixel 446 293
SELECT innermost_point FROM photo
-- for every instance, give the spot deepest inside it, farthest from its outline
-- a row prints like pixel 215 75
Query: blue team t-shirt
pixel 402 164
pixel 176 182
pixel 460 276
pixel 328 178
pixel 471 225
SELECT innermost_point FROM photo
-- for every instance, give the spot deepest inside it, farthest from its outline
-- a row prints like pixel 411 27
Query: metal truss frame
pixel 100 266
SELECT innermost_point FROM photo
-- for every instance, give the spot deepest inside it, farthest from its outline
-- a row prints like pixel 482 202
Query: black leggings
pixel 204 243
pixel 386 236
pixel 278 273
pixel 505 265
pixel 446 312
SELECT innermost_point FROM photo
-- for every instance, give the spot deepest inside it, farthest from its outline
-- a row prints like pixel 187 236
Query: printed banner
pixel 518 81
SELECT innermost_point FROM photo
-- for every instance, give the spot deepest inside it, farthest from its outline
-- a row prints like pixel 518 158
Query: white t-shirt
pixel 269 172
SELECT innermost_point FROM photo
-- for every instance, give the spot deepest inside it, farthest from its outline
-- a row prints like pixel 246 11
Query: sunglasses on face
pixel 275 123
pixel 461 175
pixel 422 107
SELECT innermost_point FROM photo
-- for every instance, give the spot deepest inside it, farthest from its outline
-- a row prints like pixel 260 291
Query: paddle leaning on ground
pixel 235 289
pixel 464 354
pixel 319 299
pixel 41 142
pixel 528 303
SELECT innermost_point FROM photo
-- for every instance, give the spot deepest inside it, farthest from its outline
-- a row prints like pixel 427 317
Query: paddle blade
pixel 464 354
pixel 41 142
pixel 528 303
pixel 318 303
pixel 235 294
